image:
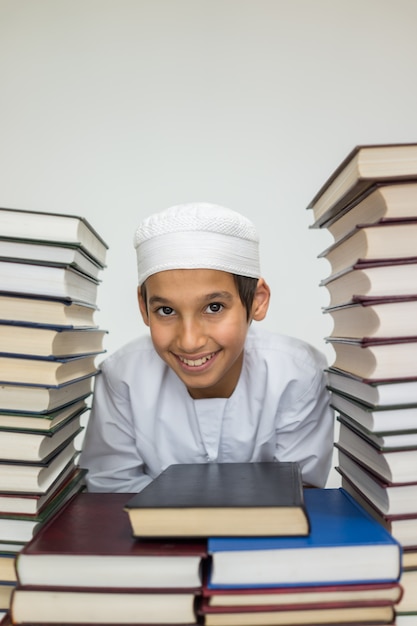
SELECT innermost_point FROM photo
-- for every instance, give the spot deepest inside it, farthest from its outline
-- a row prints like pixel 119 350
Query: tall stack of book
pixel 214 544
pixel 369 205
pixel 50 266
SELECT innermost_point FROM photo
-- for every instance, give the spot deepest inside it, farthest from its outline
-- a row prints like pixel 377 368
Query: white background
pixel 114 109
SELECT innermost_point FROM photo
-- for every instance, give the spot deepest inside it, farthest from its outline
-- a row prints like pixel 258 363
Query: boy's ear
pixel 143 308
pixel 261 301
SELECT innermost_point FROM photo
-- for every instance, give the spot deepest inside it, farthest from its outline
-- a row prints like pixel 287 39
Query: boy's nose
pixel 191 337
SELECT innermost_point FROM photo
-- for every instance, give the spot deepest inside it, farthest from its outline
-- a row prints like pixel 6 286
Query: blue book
pixel 345 546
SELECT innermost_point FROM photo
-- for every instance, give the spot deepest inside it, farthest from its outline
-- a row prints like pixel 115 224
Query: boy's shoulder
pixel 133 351
pixel 273 345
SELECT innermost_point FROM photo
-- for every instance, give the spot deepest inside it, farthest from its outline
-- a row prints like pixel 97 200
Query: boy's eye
pixel 165 311
pixel 214 307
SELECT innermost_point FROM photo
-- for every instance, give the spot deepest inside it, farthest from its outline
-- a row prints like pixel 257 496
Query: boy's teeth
pixel 197 362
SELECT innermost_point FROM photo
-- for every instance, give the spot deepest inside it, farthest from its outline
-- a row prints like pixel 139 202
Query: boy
pixel 205 386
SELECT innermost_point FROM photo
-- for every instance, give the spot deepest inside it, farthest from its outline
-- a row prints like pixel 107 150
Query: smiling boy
pixel 206 386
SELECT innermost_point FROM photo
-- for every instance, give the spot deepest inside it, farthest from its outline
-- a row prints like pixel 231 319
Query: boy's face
pixel 198 326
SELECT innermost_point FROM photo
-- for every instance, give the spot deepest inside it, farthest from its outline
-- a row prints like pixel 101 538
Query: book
pixel 43 398
pixel 64 255
pixel 386 497
pixel 42 422
pixel 408 602
pixel 388 318
pixel 285 615
pixel 5 597
pixel 202 499
pixel 394 466
pixel 48 606
pixel 50 342
pixel 402 527
pixel 379 420
pixel 376 359
pixel 410 558
pixel 362 168
pixel 36 478
pixel 7 568
pixel 58 228
pixel 387 393
pixel 381 242
pixel 342 533
pixel 371 281
pixel 89 544
pixel 34 503
pixel 21 528
pixel 382 441
pixel 45 372
pixel 37 446
pixel 313 595
pixel 382 203
pixel 22 309
pixel 47 281
pixel 392 440
pixel 405 619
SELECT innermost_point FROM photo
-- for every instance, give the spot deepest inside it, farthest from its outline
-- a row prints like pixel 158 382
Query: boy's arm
pixel 109 450
pixel 305 428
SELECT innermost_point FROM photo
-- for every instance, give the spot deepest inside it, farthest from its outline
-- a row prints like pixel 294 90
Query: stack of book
pixel 369 205
pixel 210 544
pixel 49 274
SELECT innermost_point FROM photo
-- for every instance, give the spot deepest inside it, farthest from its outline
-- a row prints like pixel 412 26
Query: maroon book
pixel 89 544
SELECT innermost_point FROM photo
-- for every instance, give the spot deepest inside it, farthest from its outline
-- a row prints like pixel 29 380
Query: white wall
pixel 114 109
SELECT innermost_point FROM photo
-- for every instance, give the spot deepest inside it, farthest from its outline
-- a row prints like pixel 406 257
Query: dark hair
pixel 246 288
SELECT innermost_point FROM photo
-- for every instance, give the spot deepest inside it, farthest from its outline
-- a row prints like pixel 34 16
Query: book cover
pixel 29 341
pixel 90 544
pixel 45 372
pixel 45 226
pixel 372 280
pixel 342 533
pixel 270 616
pixel 393 466
pixel 36 478
pixel 381 203
pixel 364 166
pixel 202 499
pixel 41 422
pixel 377 419
pixel 392 440
pixel 43 398
pixel 402 525
pixel 48 281
pixel 29 605
pixel 378 242
pixel 28 309
pixel 389 392
pixel 392 357
pixel 313 595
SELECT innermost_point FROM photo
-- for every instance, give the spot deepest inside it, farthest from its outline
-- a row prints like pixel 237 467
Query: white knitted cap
pixel 198 235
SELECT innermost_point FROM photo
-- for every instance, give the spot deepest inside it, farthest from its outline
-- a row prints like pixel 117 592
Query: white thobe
pixel 143 418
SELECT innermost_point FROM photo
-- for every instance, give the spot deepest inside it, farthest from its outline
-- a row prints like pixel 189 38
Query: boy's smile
pixel 198 326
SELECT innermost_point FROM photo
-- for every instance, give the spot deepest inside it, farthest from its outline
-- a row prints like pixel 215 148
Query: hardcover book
pixel 89 544
pixel 346 545
pixel 205 499
pixel 25 309
pixel 58 228
pixel 363 167
pixel 43 398
pixel 367 281
pixel 390 392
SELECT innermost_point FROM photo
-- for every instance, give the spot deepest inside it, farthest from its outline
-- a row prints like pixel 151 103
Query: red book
pixel 89 544
pixel 270 615
pixel 312 596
